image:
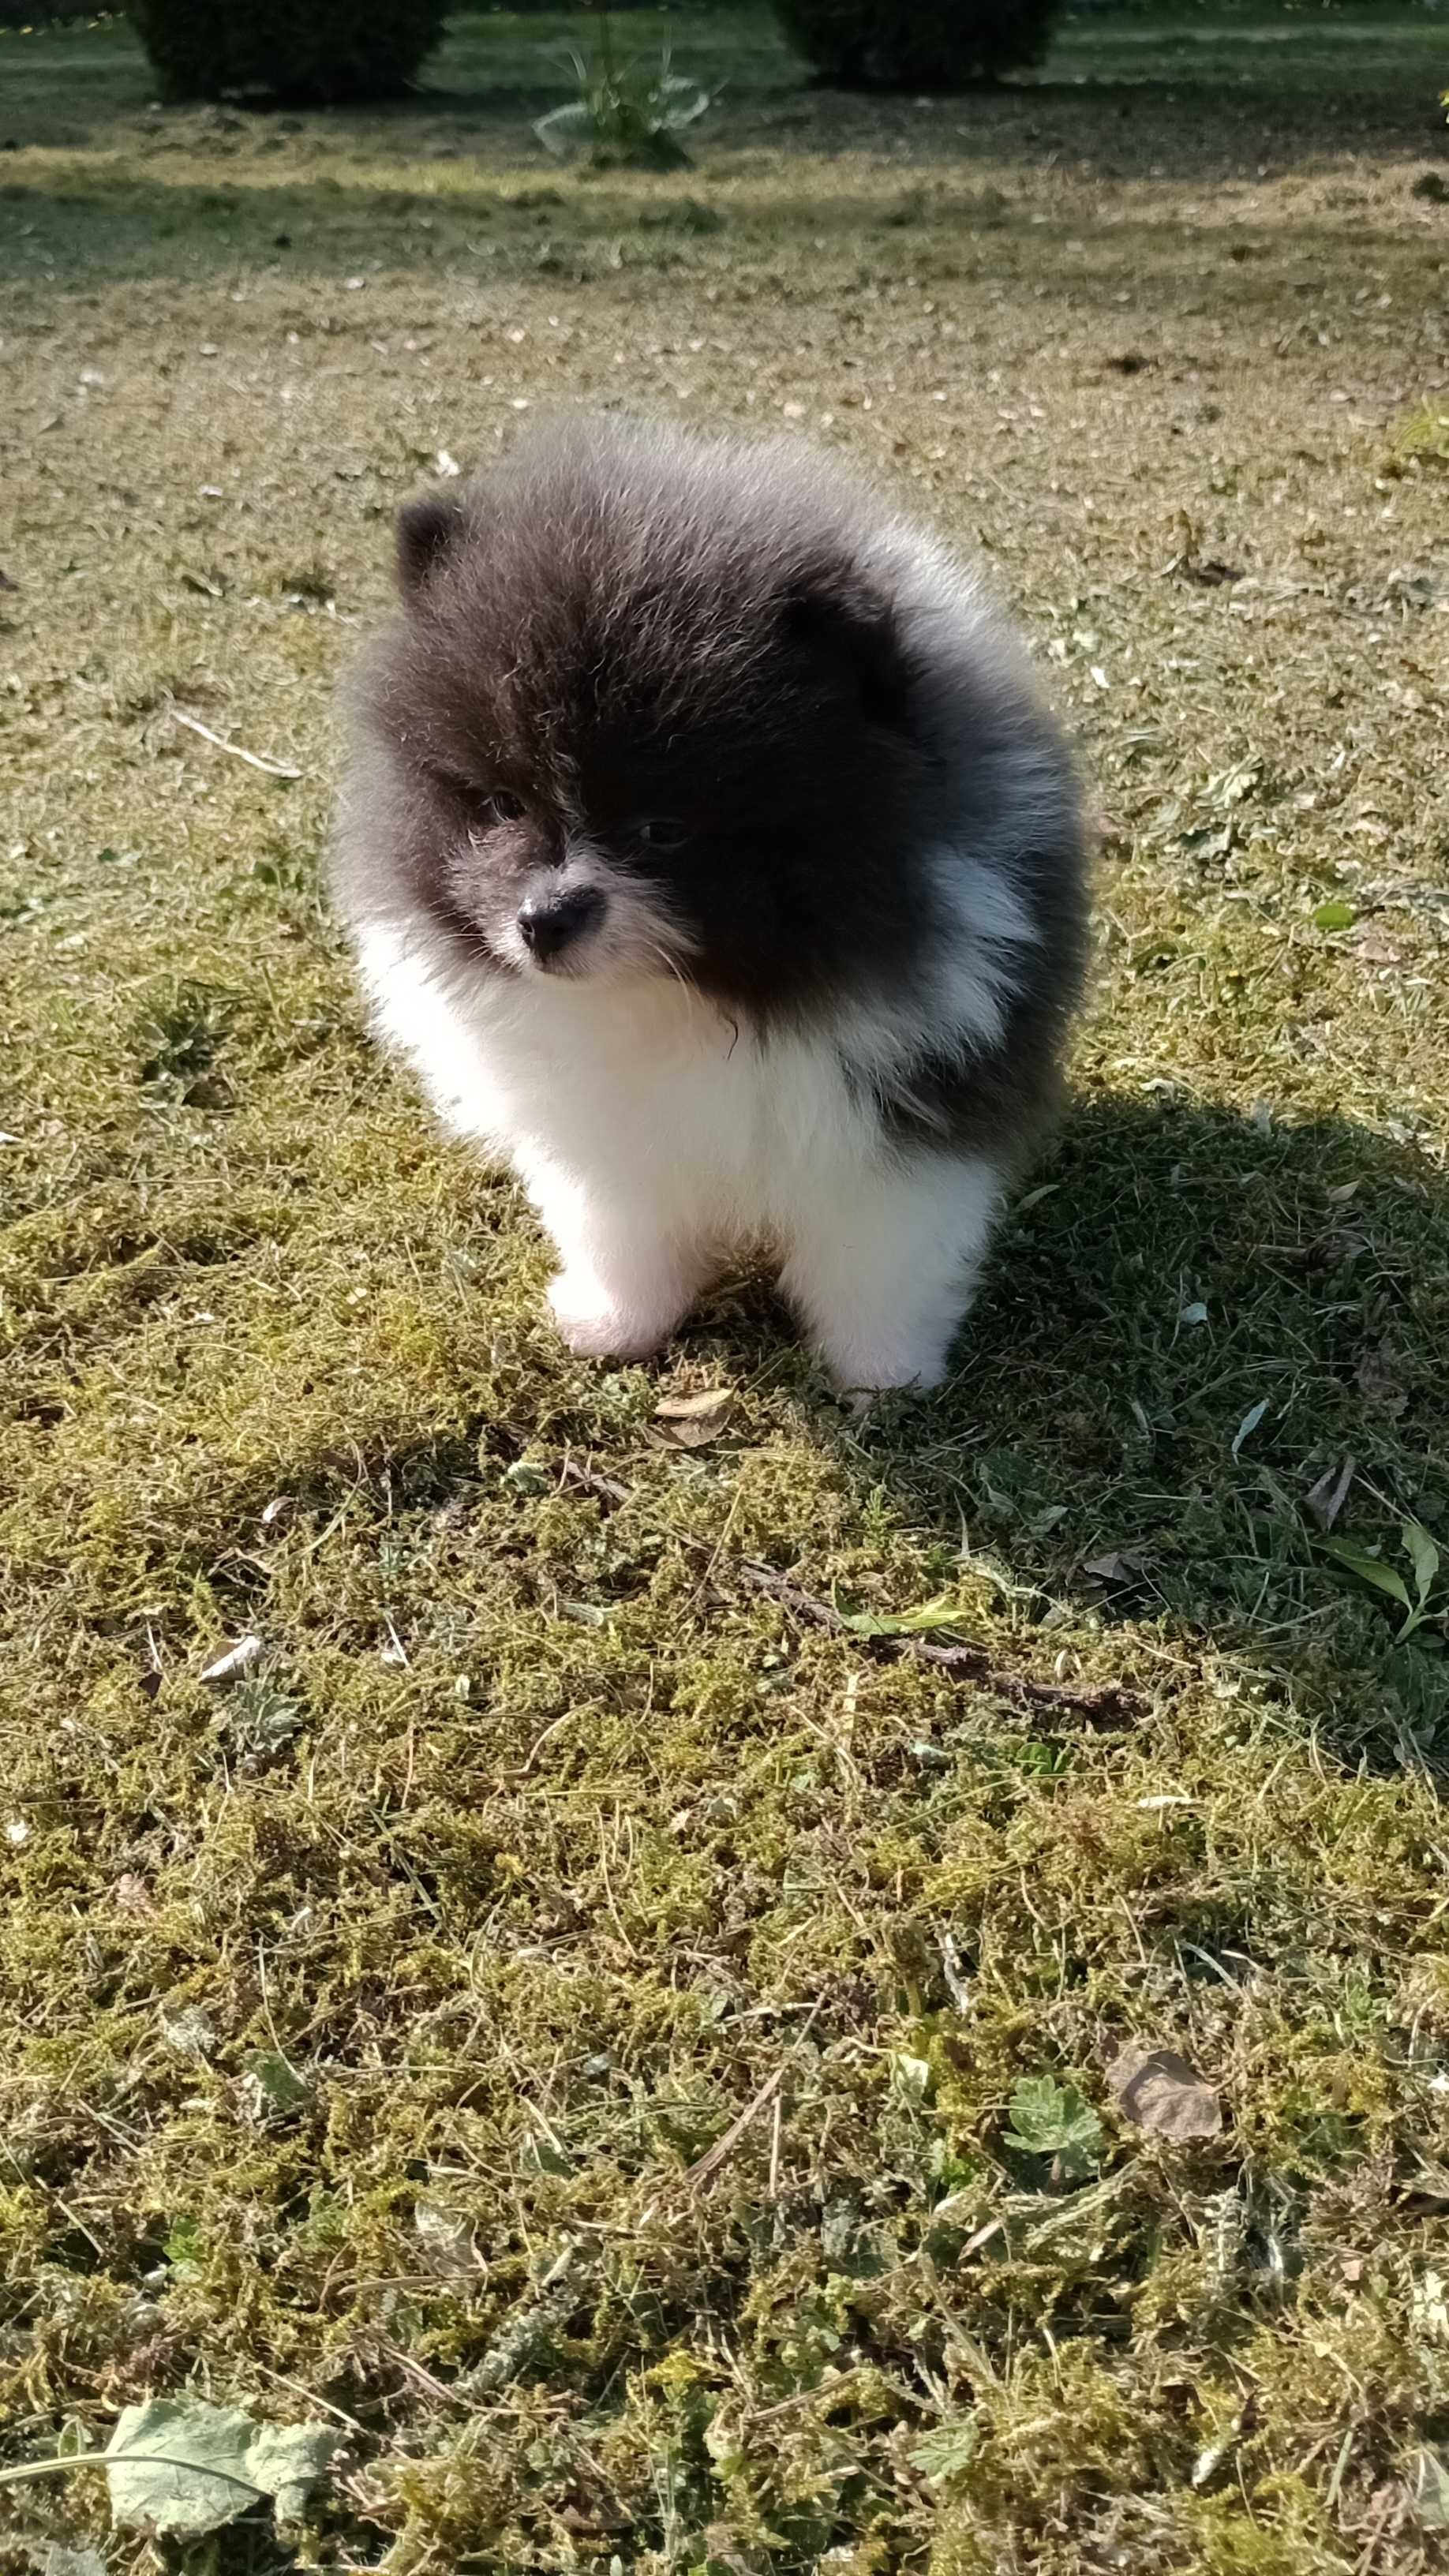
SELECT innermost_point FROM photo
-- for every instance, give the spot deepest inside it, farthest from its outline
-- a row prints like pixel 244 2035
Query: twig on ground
pixel 618 1919
pixel 972 1663
pixel 21 2471
pixel 415 2371
pixel 253 759
pixel 709 2163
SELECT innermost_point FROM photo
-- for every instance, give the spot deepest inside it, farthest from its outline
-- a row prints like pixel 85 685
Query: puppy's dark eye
pixel 662 831
pixel 485 806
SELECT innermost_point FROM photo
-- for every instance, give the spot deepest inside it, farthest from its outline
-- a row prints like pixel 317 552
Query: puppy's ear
pixel 846 624
pixel 427 530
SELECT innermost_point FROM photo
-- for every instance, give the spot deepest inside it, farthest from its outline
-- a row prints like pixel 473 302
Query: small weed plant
pixel 629 111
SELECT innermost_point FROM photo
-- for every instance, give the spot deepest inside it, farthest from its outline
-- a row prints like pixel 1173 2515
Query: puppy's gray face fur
pixel 629 729
pixel 535 893
pixel 665 706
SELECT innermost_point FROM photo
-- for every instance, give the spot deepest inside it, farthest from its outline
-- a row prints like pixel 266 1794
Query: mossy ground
pixel 366 2020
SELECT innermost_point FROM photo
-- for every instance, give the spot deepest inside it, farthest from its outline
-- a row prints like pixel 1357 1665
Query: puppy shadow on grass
pixel 1207 1353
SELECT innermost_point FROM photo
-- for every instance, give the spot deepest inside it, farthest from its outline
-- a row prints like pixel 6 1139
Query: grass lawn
pixel 629 2041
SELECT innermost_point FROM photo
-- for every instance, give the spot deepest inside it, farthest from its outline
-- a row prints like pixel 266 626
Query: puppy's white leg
pixel 628 1274
pixel 621 1304
pixel 882 1264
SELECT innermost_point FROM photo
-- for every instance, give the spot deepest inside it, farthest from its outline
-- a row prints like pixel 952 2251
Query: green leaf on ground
pixel 1051 2119
pixel 178 2468
pixel 1423 1555
pixel 948 2449
pixel 1369 1568
pixel 940 1613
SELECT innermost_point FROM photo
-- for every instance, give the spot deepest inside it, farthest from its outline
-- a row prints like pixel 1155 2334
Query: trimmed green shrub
pixel 46 13
pixel 307 52
pixel 917 44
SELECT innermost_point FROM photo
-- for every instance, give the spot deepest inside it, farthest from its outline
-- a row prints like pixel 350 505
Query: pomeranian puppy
pixel 710 854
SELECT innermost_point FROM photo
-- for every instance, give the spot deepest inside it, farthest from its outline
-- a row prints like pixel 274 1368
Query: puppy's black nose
pixel 552 922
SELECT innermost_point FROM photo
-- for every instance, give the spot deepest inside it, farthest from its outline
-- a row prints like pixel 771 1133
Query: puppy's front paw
pixel 599 1327
pixel 861 1402
pixel 862 1375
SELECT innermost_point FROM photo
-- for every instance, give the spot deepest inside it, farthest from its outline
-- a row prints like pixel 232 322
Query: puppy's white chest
pixel 634 1093
pixel 653 1137
pixel 639 1090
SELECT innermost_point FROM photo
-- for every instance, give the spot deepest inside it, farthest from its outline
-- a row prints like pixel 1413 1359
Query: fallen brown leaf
pixel 692 1421
pixel 1163 2094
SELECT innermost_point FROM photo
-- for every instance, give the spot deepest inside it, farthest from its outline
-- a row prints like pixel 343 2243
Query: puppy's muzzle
pixel 550 925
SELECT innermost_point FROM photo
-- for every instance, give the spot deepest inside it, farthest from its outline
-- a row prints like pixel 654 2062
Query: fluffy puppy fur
pixel 710 854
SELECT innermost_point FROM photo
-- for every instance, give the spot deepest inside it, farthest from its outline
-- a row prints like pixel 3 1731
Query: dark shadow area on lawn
pixel 1187 130
pixel 1276 113
pixel 1206 1344
pixel 1195 1334
pixel 86 230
